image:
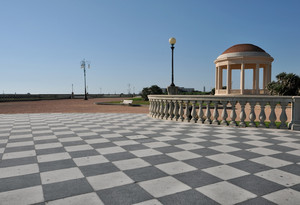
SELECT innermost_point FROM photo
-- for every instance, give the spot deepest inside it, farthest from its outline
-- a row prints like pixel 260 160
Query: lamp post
pixel 172 89
pixel 172 41
pixel 83 64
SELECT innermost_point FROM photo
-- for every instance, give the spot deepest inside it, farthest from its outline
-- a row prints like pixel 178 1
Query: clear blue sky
pixel 42 42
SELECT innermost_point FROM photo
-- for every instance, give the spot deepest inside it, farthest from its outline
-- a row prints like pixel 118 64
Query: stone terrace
pixel 105 158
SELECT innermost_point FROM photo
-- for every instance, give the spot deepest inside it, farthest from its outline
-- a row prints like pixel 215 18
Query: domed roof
pixel 244 48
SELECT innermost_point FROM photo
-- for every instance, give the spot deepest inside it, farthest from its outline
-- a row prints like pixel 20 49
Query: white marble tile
pixel 225 158
pixel 263 151
pixel 258 143
pixel 78 148
pixel 225 172
pixel 131 164
pixel 85 134
pixel 271 161
pixel 165 138
pixel 226 193
pixel 69 139
pixel 193 140
pixel 61 175
pixel 47 137
pixel 125 142
pixel 19 144
pixel 225 148
pixel 13 155
pixel 96 141
pixel 183 155
pixel 189 146
pixel 53 157
pixel 285 197
pixel 20 136
pixel 224 141
pixel 149 202
pixel 111 150
pixel 163 186
pixel 18 170
pixel 109 180
pixel 156 144
pixel 29 195
pixel 294 152
pixel 84 161
pixel 48 145
pixel 291 145
pixel 89 198
pixel 145 152
pixel 175 167
pixel 136 137
pixel 280 177
pixel 111 135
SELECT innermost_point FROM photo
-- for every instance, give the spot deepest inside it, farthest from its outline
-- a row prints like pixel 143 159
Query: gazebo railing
pixel 239 111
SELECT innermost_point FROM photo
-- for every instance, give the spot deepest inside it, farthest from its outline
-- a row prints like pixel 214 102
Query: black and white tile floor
pixel 133 159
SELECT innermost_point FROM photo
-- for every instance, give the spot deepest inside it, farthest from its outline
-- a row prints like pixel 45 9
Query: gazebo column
pixel 217 79
pixel 257 79
pixel 228 88
pixel 220 78
pixel 242 86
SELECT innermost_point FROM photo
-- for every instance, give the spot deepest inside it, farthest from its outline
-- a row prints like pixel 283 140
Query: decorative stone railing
pixel 228 110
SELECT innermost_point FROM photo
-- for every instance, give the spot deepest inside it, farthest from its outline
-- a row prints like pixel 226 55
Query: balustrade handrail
pixel 183 108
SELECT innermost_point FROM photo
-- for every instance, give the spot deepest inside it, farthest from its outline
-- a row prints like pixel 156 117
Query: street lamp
pixel 172 89
pixel 83 64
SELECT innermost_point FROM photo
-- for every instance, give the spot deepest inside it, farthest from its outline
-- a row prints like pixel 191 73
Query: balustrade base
pixel 295 127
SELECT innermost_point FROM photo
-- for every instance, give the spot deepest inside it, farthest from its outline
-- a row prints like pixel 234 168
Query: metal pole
pixel 172 47
pixel 85 95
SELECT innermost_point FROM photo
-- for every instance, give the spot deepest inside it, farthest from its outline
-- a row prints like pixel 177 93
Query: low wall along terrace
pixel 251 111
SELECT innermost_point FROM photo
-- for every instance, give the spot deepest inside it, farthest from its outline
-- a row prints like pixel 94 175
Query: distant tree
pixel 286 84
pixel 213 91
pixel 153 90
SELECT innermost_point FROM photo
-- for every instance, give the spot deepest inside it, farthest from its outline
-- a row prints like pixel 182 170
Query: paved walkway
pixel 132 159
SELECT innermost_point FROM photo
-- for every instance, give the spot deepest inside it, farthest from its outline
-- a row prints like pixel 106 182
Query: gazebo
pixel 242 57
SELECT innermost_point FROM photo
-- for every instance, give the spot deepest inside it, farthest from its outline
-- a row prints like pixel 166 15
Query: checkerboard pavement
pixel 133 159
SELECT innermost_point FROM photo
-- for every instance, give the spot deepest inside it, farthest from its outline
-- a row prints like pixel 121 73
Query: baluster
pixel 194 114
pixel 208 113
pixel 272 116
pixel 155 109
pixel 216 114
pixel 187 112
pixel 252 115
pixel 176 111
pixel 200 113
pixel 166 109
pixel 242 114
pixel 224 113
pixel 283 117
pixel 171 110
pixel 162 114
pixel 233 114
pixel 262 115
pixel 181 111
pixel 150 107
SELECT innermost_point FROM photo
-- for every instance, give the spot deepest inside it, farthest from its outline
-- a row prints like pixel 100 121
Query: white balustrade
pixel 185 108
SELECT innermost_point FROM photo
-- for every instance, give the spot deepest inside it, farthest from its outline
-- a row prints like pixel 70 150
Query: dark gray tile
pixel 127 194
pixel 242 145
pixel 103 145
pixel 197 178
pixel 66 189
pixel 20 140
pixel 145 140
pixel 245 154
pixel 205 151
pixel 45 141
pixel 249 166
pixel 187 197
pixel 134 147
pixel 19 149
pixel 168 149
pixel 96 169
pixel 296 187
pixel 279 148
pixel 119 156
pixel 73 143
pixel 159 159
pixel 292 168
pixel 208 143
pixel 50 151
pixel 256 201
pixel 17 161
pixel 144 174
pixel 55 165
pixel 287 157
pixel 256 185
pixel 19 182
pixel 83 153
pixel 202 162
